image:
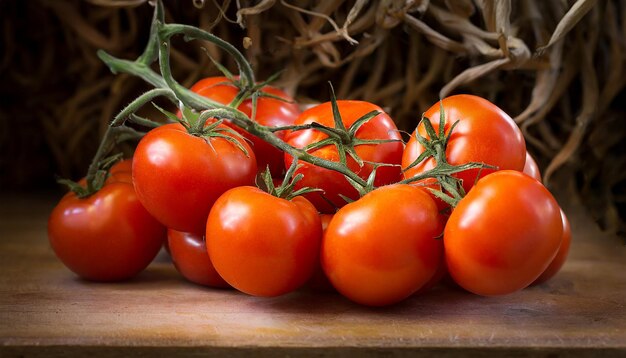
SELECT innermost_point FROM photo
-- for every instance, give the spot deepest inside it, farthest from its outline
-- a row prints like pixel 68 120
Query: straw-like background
pixel 557 67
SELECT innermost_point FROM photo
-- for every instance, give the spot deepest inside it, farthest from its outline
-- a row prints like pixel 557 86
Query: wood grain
pixel 46 311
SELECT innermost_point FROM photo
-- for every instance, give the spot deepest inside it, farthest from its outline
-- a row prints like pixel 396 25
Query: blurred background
pixel 557 67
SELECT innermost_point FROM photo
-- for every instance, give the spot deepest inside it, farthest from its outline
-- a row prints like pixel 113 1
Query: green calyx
pixel 435 146
pixel 96 181
pixel 344 139
pixel 287 188
pixel 197 124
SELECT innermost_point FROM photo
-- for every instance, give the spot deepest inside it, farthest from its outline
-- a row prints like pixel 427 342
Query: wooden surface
pixel 46 311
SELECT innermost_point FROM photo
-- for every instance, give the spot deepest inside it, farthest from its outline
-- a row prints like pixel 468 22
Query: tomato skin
pixel 561 255
pixel 484 134
pixel 179 176
pixel 382 248
pixel 263 245
pixel 270 112
pixel 334 183
pixel 125 165
pixel 191 259
pixel 531 168
pixel 503 234
pixel 108 236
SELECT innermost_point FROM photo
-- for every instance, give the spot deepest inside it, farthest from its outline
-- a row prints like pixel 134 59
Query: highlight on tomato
pixel 107 235
pixel 383 247
pixel 481 132
pixel 531 168
pixel 190 257
pixel 179 173
pixel 275 108
pixel 366 133
pixel 503 234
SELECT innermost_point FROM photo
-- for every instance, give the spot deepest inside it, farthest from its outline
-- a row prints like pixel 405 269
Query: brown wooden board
pixel 45 310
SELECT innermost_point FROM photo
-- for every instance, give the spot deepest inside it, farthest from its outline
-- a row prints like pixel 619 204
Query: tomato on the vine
pixel 384 247
pixel 503 234
pixel 333 183
pixel 270 112
pixel 261 244
pixel 178 176
pixel 484 134
pixel 107 236
pixel 190 257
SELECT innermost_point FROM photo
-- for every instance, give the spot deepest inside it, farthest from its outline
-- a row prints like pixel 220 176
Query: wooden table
pixel 46 311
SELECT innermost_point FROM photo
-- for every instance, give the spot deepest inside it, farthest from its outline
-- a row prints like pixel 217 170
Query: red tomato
pixel 334 183
pixel 484 134
pixel 191 259
pixel 108 236
pixel 178 176
pixel 270 113
pixel 531 168
pixel 503 234
pixel 263 245
pixel 121 171
pixel 383 247
pixel 561 255
pixel 319 281
pixel 125 165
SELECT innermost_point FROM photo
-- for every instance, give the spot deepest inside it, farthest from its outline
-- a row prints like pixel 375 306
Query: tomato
pixel 332 182
pixel 319 281
pixel 383 247
pixel 178 176
pixel 263 245
pixel 561 255
pixel 270 112
pixel 108 236
pixel 191 259
pixel 121 171
pixel 503 234
pixel 125 165
pixel 531 168
pixel 484 134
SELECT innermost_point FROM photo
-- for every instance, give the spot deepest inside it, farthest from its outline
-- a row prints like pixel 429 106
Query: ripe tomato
pixel 108 236
pixel 334 183
pixel 125 165
pixel 383 247
pixel 178 176
pixel 531 168
pixel 484 134
pixel 503 234
pixel 263 245
pixel 561 255
pixel 270 112
pixel 121 171
pixel 191 259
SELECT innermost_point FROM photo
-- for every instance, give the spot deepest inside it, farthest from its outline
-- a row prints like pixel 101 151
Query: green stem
pixel 140 101
pixel 446 170
pixel 138 69
pixel 168 30
pixel 193 100
pixel 105 146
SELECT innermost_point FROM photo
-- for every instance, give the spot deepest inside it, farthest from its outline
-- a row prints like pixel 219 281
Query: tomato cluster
pixel 462 199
